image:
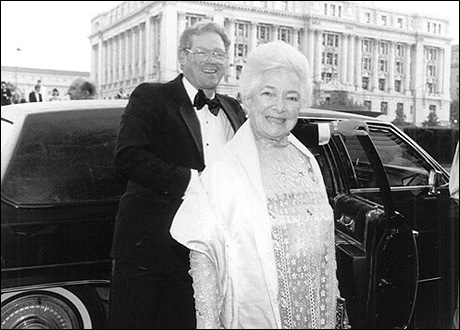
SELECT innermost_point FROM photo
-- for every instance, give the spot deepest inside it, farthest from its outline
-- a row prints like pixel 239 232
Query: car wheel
pixel 54 308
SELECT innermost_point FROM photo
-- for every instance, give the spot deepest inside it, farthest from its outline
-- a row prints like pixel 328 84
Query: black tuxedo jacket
pixel 32 97
pixel 159 141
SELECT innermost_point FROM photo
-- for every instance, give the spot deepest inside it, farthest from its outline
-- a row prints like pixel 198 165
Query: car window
pixel 64 157
pixel 403 164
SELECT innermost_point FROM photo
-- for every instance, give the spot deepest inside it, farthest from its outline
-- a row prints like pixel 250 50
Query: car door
pixel 420 192
pixel 375 248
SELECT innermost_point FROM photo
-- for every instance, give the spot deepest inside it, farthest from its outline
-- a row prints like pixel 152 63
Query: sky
pixel 54 34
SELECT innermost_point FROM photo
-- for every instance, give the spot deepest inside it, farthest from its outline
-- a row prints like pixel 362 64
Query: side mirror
pixel 434 180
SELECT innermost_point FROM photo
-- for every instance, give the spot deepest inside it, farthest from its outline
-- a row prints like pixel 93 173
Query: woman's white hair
pixel 272 56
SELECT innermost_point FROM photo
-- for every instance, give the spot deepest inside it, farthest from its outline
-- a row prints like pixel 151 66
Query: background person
pixel 36 95
pixel 55 95
pixel 82 89
pixel 6 94
pixel 258 222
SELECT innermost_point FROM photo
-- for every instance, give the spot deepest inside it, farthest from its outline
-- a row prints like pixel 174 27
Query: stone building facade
pixel 384 59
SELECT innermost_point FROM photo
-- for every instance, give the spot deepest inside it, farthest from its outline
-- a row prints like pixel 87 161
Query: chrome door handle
pixel 348 222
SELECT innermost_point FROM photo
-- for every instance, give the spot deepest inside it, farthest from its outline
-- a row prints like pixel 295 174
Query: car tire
pixel 52 308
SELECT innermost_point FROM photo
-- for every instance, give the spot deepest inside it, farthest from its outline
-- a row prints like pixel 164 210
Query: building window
pixel 383 49
pixel 399 67
pixel 432 54
pixel 400 23
pixel 331 40
pixel 367 17
pixel 238 71
pixel 367 46
pixel 330 58
pixel 326 77
pixel 333 10
pixel 284 34
pixel 191 19
pixel 382 82
pixel 242 30
pixel 430 88
pixel 400 50
pixel 367 63
pixel 368 105
pixel 365 83
pixel 431 71
pixel 398 86
pixel 384 107
pixel 383 65
pixel 325 9
pixel 264 33
pixel 241 50
pixel 384 20
pixel 428 27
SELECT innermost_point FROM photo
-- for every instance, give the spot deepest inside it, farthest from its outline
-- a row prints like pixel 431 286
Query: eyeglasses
pixel 203 55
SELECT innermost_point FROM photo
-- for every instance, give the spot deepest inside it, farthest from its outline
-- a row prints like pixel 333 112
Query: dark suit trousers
pixel 141 299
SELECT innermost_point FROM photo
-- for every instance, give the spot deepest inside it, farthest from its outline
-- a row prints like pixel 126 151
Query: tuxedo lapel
pixel 188 114
pixel 191 120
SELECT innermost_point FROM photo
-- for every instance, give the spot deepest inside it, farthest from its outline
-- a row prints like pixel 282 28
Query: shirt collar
pixel 191 90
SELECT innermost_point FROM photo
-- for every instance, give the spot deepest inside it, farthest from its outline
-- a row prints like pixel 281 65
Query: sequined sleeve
pixel 208 298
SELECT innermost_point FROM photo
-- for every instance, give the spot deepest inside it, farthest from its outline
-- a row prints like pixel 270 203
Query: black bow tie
pixel 201 99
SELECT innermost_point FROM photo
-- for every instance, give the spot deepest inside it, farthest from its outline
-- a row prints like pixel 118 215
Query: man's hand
pixel 351 127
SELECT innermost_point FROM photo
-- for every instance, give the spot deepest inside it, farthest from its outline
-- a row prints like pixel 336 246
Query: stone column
pixel 180 24
pixel 109 62
pixel 275 32
pixel 358 65
pixel 343 58
pixel 253 36
pixel 141 51
pixel 446 71
pixel 127 56
pixel 351 60
pixel 231 50
pixel 99 64
pixel 133 54
pixel 375 66
pixel 418 82
pixel 104 64
pixel 318 54
pixel 391 68
pixel 295 38
pixel 169 44
pixel 310 37
pixel 407 73
pixel 148 48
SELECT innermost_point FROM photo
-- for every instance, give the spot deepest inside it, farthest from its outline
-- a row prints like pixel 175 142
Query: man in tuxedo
pixel 168 132
pixel 35 95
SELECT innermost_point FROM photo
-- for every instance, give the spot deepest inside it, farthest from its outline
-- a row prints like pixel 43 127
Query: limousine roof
pixel 12 112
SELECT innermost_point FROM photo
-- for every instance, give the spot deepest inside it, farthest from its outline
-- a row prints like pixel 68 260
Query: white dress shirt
pixel 215 130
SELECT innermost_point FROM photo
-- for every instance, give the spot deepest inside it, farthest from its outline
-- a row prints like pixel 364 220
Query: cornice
pixel 233 5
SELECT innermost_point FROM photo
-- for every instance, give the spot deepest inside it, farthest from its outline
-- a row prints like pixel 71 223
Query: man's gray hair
pixel 199 28
pixel 272 56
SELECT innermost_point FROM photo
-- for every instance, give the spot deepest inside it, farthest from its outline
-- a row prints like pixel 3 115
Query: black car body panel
pixel 396 232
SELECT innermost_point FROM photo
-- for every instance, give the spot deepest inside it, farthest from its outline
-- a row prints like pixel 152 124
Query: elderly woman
pixel 259 225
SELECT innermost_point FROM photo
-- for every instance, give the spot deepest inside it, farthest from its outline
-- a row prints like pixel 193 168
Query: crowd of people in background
pixel 79 89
